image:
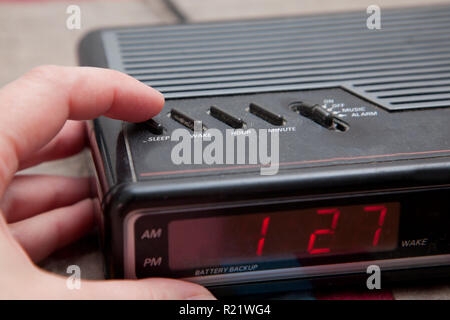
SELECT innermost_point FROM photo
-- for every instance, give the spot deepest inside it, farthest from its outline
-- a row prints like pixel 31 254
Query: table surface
pixel 34 33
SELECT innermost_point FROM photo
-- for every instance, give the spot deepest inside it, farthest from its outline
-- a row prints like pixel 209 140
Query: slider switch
pixel 321 116
pixel 317 114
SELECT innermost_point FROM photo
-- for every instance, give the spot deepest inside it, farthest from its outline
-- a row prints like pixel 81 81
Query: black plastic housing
pixel 391 146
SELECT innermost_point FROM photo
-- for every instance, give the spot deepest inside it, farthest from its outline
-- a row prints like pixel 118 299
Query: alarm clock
pixel 361 154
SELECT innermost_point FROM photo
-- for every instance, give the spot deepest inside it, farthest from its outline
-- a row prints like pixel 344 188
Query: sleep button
pixel 154 127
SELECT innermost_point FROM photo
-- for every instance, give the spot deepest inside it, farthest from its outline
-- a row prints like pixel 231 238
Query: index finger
pixel 35 107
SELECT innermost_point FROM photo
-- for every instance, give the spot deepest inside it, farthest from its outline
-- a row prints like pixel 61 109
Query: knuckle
pixel 44 72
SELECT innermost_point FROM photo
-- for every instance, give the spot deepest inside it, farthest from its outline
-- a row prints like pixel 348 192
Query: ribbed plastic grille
pixel 404 65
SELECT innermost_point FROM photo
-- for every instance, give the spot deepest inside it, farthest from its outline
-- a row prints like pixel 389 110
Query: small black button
pixel 154 127
pixel 230 120
pixel 266 115
pixel 184 119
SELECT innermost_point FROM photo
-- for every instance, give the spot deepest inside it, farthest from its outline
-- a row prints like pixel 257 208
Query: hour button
pixel 232 121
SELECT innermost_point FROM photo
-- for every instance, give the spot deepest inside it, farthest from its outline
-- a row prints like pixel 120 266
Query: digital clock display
pixel 283 235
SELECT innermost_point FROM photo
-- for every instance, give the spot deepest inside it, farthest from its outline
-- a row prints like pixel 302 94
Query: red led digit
pixel 383 211
pixel 265 226
pixel 260 247
pixel 312 239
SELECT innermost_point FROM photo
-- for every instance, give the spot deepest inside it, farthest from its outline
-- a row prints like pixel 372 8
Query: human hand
pixel 40 214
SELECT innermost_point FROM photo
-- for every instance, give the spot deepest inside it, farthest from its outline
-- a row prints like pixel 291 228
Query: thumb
pixel 144 289
pixel 149 289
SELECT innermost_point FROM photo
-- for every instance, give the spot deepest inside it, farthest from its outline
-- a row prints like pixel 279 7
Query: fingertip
pixel 202 297
pixel 149 101
pixel 198 293
pixel 155 102
pixel 134 101
pixel 158 102
pixel 173 289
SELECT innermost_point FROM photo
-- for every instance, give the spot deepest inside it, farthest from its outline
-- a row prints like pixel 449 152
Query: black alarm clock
pixel 363 168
